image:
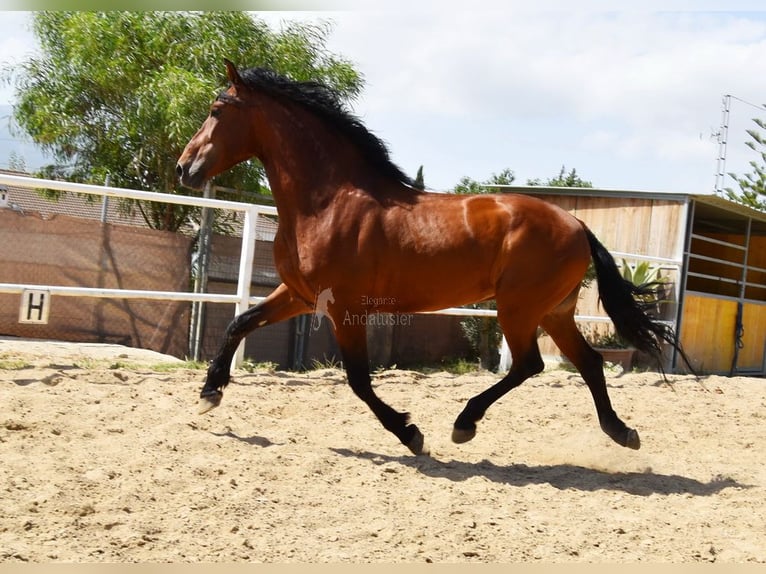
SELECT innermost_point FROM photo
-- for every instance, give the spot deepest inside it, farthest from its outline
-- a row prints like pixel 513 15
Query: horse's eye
pixel 215 112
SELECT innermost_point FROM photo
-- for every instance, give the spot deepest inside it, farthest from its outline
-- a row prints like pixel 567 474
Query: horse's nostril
pixel 179 170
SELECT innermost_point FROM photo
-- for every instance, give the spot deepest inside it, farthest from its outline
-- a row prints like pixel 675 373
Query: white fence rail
pixel 242 299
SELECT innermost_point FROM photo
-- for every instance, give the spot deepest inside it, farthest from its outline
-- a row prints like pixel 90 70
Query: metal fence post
pixel 200 279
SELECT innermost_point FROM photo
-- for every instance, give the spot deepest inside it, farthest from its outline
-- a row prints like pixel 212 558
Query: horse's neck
pixel 306 164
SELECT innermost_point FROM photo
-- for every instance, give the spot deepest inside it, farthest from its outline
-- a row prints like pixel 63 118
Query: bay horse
pixel 351 222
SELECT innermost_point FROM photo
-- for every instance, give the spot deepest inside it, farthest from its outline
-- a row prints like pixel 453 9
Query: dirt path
pixel 114 464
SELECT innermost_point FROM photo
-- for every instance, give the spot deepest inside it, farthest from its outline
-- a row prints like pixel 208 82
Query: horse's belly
pixel 429 284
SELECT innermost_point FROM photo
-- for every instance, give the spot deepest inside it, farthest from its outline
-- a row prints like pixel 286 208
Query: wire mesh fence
pixel 103 243
pixel 69 239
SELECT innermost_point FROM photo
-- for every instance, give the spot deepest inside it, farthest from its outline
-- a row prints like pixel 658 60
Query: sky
pixel 631 99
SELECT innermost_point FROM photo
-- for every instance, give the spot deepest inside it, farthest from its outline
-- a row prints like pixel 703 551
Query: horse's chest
pixel 302 257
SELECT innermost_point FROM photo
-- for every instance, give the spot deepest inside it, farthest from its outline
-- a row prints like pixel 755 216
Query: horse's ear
pixel 232 73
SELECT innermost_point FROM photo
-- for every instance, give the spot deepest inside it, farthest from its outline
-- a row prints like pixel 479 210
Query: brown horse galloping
pixel 350 221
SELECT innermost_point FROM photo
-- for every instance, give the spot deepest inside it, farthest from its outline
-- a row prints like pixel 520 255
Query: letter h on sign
pixel 35 306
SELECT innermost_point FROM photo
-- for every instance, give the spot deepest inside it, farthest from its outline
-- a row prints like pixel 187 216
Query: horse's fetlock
pixel 217 376
pixel 473 410
pixel 536 367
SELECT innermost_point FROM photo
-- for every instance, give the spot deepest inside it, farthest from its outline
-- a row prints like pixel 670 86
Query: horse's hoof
pixel 459 436
pixel 417 444
pixel 209 402
pixel 633 441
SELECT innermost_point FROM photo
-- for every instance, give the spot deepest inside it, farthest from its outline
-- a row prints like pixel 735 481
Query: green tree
pixel 419 182
pixel 16 162
pixel 563 179
pixel 120 93
pixel 752 186
pixel 467 185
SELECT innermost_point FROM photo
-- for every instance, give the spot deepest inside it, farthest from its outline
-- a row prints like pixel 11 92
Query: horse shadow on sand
pixel 561 476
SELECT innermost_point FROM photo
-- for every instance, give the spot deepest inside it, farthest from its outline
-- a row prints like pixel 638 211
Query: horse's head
pixel 218 144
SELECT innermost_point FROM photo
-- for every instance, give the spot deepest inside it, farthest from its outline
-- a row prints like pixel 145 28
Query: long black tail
pixel 627 306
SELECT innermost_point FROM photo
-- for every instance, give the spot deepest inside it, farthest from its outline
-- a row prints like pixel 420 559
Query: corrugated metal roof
pixel 706 198
pixel 733 206
pixel 71 204
pixel 74 205
pixel 589 191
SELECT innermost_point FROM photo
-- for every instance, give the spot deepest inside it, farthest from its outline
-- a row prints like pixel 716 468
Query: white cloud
pixel 653 82
pixel 629 98
pixel 16 39
pixel 625 66
pixel 16 44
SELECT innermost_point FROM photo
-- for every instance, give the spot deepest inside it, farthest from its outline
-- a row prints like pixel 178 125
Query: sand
pixel 105 459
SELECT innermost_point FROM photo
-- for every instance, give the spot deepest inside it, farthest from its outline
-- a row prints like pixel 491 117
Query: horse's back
pixel 502 220
pixel 476 245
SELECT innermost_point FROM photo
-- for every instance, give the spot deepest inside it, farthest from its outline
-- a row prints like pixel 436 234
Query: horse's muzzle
pixel 189 178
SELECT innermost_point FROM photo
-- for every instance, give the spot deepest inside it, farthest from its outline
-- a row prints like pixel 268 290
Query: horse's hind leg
pixel 278 306
pixel 352 340
pixel 522 341
pixel 561 326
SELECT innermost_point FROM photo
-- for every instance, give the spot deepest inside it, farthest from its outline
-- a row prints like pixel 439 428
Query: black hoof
pixel 459 436
pixel 417 443
pixel 632 440
pixel 209 400
pixel 622 435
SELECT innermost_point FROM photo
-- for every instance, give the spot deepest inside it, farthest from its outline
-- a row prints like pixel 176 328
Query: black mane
pixel 326 103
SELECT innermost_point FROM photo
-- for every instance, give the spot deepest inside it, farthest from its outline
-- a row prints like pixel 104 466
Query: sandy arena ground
pixel 104 458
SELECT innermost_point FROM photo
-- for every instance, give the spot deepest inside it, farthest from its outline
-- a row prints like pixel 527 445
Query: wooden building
pixel 712 253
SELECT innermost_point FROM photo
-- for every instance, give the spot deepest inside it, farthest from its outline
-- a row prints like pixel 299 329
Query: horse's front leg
pixel 278 306
pixel 352 340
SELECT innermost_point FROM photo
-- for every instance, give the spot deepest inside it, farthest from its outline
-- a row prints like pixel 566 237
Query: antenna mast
pixel 723 136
